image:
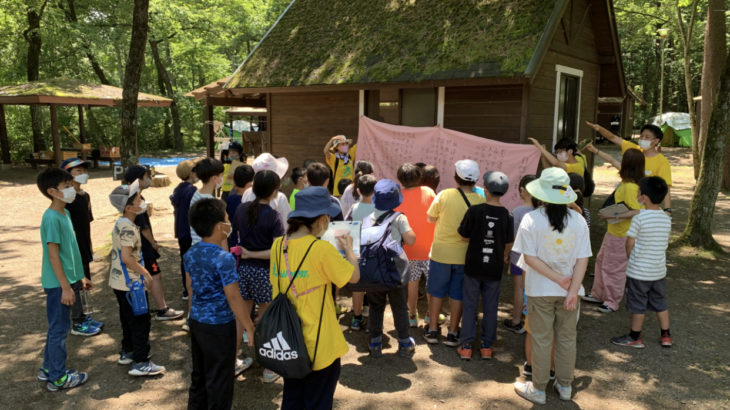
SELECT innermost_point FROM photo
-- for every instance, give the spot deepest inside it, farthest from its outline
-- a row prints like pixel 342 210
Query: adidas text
pixel 277 348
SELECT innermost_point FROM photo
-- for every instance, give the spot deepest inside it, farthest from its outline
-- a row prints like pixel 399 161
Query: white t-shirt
pixel 559 250
pixel 197 196
pixel 346 200
pixel 648 259
pixel 280 204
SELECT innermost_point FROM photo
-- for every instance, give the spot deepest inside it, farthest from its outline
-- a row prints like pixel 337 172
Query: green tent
pixel 676 129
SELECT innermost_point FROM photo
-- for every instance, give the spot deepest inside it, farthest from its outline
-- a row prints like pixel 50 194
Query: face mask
pixel 343 149
pixel 234 157
pixel 645 144
pixel 228 225
pixel 81 178
pixel 69 194
pixel 562 156
pixel 142 208
pixel 219 184
pixel 195 180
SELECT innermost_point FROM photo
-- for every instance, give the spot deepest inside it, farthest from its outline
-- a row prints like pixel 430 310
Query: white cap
pixel 267 161
pixel 467 169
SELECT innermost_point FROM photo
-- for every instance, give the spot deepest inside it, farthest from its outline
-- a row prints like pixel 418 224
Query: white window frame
pixel 559 71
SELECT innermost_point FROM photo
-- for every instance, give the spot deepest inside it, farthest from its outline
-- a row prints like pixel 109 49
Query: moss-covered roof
pixel 70 91
pixel 374 41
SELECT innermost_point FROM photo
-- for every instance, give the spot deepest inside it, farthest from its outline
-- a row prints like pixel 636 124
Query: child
pixel 646 285
pixel 566 156
pixel 280 203
pixel 339 155
pixel 319 175
pixel 386 198
pixel 349 194
pixel 62 271
pixel 215 308
pixel 243 179
pixel 255 225
pixel 81 217
pixel 529 204
pixel 610 267
pixel 299 179
pixel 126 240
pixel 578 184
pixel 448 251
pixel 150 247
pixel 210 172
pixel 489 227
pixel 431 177
pixel 416 201
pixel 180 200
pixel 235 153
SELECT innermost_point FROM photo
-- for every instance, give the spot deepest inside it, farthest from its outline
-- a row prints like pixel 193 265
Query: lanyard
pixel 285 247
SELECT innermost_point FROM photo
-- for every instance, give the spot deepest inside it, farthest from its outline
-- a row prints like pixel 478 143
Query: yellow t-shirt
pixel 626 193
pixel 343 170
pixel 323 266
pixel 449 208
pixel 577 167
pixel 658 165
pixel 227 182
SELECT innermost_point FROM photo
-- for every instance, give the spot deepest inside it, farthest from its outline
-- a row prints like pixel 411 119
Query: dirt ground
pixel 693 373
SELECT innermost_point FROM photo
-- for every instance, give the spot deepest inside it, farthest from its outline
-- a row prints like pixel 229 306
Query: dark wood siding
pixel 301 123
pixel 485 111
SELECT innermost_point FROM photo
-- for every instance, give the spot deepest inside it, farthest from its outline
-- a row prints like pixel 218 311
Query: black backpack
pixel 278 338
pixel 590 184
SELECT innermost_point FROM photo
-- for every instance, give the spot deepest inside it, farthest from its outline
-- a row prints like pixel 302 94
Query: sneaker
pixel 527 369
pixel 591 299
pixel 43 374
pixel 605 308
pixel 464 351
pixel 184 295
pixel 145 369
pixel 518 328
pixel 413 320
pixel 486 352
pixel 270 376
pixel 84 329
pixel 127 357
pixel 666 341
pixel 565 392
pixel 356 323
pixel 68 381
pixel 186 326
pixel 529 392
pixel 169 314
pixel 365 311
pixel 243 365
pixel 452 339
pixel 407 349
pixel 376 350
pixel 552 374
pixel 94 323
pixel 431 336
pixel 627 341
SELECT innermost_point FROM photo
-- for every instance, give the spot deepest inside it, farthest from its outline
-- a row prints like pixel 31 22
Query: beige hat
pixel 184 168
pixel 267 161
pixel 340 139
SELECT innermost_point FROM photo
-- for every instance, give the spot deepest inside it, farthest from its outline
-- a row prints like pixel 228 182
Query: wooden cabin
pixel 503 70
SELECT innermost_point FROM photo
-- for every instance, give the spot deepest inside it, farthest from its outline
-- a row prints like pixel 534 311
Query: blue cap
pixel 73 163
pixel 313 202
pixel 387 195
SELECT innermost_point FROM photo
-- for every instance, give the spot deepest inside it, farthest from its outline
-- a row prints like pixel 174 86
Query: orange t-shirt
pixel 416 202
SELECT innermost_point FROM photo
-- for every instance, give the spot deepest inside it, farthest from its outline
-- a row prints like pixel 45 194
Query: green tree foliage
pixel 199 41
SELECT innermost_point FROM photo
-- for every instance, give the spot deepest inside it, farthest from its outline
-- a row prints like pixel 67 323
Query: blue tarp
pixel 154 162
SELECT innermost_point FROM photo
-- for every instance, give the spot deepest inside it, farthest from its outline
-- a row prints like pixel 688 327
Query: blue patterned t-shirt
pixel 211 269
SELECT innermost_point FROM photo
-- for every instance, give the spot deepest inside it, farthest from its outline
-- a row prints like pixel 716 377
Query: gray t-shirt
pixel 360 210
pixel 517 215
pixel 398 228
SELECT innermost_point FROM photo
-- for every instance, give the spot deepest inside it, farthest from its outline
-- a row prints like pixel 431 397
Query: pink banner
pixel 388 146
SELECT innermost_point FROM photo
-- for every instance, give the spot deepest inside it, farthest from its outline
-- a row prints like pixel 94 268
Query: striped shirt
pixel 648 259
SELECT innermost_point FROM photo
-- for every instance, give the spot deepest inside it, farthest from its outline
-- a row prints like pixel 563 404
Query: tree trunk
pixel 132 74
pixel 32 36
pixel 686 36
pixel 699 225
pixel 167 90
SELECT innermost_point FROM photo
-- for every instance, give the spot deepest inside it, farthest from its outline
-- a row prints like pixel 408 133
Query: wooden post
pixel 523 112
pixel 269 124
pixel 56 137
pixel 82 131
pixel 440 101
pixel 4 141
pixel 210 143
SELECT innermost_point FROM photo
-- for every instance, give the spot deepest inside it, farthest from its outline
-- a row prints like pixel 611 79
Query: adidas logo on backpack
pixel 277 348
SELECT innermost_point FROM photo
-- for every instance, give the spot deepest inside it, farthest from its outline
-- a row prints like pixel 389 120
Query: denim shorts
pixel 445 280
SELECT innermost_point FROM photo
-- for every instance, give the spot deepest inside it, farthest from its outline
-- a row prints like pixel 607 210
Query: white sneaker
pixel 590 298
pixel 243 365
pixel 169 314
pixel 270 376
pixel 529 392
pixel 565 392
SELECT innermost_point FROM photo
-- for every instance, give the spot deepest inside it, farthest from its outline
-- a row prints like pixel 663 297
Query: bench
pixel 34 162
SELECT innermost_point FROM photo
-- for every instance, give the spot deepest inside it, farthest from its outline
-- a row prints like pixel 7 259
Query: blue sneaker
pixel 407 349
pixel 376 350
pixel 84 329
pixel 357 323
pixel 68 381
pixel 93 323
pixel 43 374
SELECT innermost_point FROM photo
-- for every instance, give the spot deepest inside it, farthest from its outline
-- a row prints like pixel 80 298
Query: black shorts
pixel 152 266
pixel 643 295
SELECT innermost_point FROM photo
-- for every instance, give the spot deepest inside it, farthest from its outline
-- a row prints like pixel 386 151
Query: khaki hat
pixel 184 168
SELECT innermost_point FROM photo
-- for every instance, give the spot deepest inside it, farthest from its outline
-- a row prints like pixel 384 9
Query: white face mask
pixel 228 225
pixel 142 208
pixel 69 194
pixel 234 157
pixel 645 144
pixel 81 178
pixel 219 184
pixel 562 156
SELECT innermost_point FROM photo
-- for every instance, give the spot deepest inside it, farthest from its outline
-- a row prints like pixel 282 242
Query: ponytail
pixel 296 223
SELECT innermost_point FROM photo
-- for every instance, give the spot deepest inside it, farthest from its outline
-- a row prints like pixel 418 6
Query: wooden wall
pixel 492 112
pixel 301 123
pixel 572 46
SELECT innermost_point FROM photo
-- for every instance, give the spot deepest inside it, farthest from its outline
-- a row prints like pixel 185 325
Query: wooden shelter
pixel 68 92
pixel 504 70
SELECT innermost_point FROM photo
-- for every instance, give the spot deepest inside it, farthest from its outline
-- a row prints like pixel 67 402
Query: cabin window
pixel 418 107
pixel 567 103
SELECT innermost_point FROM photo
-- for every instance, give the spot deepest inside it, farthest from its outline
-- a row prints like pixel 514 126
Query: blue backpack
pixel 383 263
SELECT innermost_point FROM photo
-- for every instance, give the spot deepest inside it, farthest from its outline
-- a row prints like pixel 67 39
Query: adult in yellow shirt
pixel 566 156
pixel 656 163
pixel 612 260
pixel 317 265
pixel 448 250
pixel 339 155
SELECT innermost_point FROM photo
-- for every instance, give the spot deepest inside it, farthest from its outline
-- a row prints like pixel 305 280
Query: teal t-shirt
pixel 57 228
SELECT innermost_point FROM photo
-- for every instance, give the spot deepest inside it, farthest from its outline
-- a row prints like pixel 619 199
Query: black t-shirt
pixel 149 254
pixel 81 217
pixel 489 229
pixel 261 235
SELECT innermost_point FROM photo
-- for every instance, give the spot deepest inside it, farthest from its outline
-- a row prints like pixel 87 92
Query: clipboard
pixel 613 210
pixel 338 228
